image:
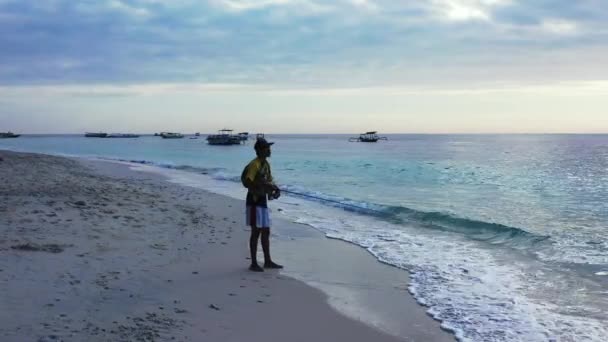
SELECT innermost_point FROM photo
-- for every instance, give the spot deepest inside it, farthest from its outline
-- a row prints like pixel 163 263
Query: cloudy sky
pixel 297 66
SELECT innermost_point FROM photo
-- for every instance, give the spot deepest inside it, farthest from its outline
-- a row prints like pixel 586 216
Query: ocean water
pixel 505 236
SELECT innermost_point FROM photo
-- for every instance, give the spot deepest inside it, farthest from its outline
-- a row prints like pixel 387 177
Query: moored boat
pixel 171 135
pixel 4 135
pixel 224 137
pixel 95 135
pixel 244 136
pixel 122 135
pixel 370 136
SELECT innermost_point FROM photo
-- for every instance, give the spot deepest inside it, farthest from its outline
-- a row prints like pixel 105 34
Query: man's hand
pixel 276 193
pixel 273 191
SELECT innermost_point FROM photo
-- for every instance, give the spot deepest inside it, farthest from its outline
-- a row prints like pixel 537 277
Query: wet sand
pixel 92 251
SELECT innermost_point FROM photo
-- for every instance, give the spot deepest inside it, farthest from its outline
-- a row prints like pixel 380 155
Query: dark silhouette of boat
pixel 122 135
pixel 5 135
pixel 244 136
pixel 371 136
pixel 96 135
pixel 224 137
pixel 171 135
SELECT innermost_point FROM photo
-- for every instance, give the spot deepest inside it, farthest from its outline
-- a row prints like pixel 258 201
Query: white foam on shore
pixel 477 293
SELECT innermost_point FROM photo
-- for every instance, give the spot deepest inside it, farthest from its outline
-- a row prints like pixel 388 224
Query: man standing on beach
pixel 258 180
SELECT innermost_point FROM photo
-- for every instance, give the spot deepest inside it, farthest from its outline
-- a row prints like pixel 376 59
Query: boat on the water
pixel 95 135
pixel 244 136
pixel 171 135
pixel 224 137
pixel 371 136
pixel 122 135
pixel 4 135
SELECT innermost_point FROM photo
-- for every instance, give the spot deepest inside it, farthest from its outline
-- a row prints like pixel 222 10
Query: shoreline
pixel 178 241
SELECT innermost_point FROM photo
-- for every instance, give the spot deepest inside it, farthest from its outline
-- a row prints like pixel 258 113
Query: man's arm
pixel 274 192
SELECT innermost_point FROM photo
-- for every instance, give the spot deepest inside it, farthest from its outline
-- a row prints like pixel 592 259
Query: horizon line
pixel 328 133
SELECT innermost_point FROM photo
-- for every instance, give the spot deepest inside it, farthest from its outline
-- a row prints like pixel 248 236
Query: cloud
pixel 561 27
pixel 299 42
pixel 291 7
pixel 365 4
pixel 463 10
pixel 244 5
pixel 129 9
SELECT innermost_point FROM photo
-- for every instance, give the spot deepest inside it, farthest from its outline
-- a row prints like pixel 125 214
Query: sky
pixel 304 66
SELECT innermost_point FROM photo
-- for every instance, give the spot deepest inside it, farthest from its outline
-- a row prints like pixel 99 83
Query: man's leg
pixel 268 263
pixel 253 249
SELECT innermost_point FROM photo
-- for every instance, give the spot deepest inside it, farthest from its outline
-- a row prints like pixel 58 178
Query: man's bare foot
pixel 256 268
pixel 272 265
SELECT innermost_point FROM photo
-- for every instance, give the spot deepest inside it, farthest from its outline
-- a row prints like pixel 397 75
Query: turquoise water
pixel 506 236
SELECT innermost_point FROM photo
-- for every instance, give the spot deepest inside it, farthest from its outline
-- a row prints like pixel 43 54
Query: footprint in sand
pixel 160 246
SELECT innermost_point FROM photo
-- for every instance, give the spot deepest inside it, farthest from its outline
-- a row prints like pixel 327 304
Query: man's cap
pixel 261 143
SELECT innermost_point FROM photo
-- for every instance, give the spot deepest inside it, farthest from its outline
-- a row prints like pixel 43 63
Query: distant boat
pixel 371 136
pixel 171 135
pixel 96 135
pixel 197 134
pixel 224 137
pixel 4 135
pixel 244 136
pixel 122 135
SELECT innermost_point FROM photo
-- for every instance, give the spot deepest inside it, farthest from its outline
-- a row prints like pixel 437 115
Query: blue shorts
pixel 258 217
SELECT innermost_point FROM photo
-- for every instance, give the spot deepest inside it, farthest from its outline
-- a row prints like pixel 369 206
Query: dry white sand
pixel 109 254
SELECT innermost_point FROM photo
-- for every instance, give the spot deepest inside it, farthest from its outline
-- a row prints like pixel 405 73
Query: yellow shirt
pixel 257 173
pixel 258 168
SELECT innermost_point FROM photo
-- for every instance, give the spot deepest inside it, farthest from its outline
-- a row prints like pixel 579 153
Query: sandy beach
pixel 93 251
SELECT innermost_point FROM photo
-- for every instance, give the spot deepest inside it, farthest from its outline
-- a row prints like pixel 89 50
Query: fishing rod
pixel 333 201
